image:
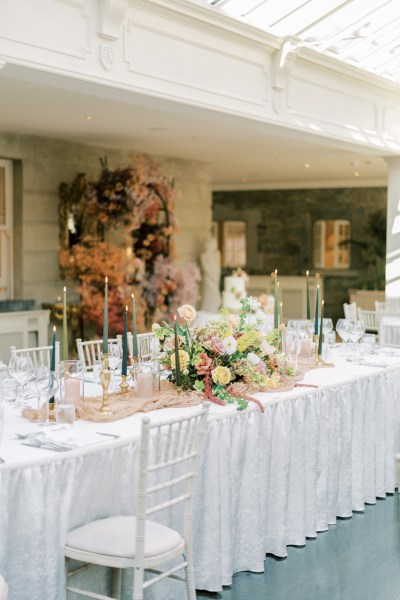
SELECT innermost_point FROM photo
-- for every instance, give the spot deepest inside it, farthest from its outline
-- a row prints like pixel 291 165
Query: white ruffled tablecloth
pixel 267 479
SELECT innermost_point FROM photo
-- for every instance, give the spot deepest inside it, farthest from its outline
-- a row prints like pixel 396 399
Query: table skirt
pixel 267 480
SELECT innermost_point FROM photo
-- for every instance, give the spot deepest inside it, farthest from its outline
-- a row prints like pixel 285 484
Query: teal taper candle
pixel 124 369
pixel 135 351
pixel 53 351
pixel 316 311
pixel 276 313
pixel 177 362
pixel 65 328
pixel 320 329
pixel 105 322
pixel 308 298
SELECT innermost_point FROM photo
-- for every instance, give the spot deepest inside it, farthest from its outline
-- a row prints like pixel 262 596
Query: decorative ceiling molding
pixel 112 15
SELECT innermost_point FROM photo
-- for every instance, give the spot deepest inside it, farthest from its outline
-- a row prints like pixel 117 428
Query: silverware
pixel 113 435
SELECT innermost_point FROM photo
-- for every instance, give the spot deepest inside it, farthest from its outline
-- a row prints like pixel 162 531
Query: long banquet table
pixel 267 480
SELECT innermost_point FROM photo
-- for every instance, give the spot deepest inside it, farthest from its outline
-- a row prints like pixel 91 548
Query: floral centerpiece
pixel 226 360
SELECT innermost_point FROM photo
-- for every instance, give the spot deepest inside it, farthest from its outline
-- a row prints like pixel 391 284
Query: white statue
pixel 210 260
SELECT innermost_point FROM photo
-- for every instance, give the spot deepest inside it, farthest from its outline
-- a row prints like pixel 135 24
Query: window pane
pixel 234 244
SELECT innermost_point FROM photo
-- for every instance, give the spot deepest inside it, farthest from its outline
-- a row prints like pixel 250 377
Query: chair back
pixel 350 311
pixel 368 317
pixel 89 352
pixel 38 355
pixel 145 345
pixel 168 462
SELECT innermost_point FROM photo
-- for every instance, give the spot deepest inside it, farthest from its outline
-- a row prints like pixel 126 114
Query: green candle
pixel 177 363
pixel 53 351
pixel 65 328
pixel 276 315
pixel 320 329
pixel 124 368
pixel 308 298
pixel 105 322
pixel 134 330
pixel 316 312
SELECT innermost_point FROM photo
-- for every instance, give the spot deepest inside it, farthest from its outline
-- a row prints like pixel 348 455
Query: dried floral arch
pixel 121 225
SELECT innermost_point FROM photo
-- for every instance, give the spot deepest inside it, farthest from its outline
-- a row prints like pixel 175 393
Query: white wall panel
pixel 60 26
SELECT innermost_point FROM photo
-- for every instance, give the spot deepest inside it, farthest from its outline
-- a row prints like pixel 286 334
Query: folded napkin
pixel 65 439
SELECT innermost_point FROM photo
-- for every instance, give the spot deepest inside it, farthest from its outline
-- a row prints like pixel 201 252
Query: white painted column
pixel 393 229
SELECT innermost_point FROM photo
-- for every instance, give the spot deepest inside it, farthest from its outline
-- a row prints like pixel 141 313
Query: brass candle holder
pixel 105 377
pixel 123 385
pixel 318 357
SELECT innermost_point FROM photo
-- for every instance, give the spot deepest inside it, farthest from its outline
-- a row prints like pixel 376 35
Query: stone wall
pixel 280 231
pixel 41 164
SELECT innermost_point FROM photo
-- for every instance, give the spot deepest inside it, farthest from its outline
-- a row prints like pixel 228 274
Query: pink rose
pixel 204 365
pixel 217 345
pixel 233 321
pixel 187 312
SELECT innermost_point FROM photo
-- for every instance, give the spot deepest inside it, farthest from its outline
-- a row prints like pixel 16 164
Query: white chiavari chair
pixel 38 355
pixel 3 589
pixel 368 317
pixel 350 311
pixel 145 345
pixel 166 475
pixel 89 352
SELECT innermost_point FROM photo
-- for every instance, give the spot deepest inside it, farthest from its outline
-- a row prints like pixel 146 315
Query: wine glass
pixel 46 385
pixel 327 325
pixel 357 329
pixel 21 369
pixel 114 358
pixel 343 329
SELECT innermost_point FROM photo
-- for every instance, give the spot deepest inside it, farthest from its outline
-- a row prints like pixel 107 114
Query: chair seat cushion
pixel 115 536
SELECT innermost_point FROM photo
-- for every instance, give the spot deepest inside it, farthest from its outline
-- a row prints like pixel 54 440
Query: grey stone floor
pixel 356 559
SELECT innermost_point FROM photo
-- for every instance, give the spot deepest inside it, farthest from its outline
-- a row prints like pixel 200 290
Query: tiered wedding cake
pixel 234 290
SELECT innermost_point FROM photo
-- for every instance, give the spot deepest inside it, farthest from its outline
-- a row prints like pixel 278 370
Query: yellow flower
pixel 274 381
pixel 183 360
pixel 221 375
pixel 246 340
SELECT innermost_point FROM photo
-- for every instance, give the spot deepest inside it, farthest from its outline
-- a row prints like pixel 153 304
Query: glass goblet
pixel 343 329
pixel 114 359
pixel 21 369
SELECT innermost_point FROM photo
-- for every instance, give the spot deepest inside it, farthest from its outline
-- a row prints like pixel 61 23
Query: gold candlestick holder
pixel 105 377
pixel 123 385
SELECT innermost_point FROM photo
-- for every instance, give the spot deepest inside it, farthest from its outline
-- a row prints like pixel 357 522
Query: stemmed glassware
pixel 343 327
pixel 46 387
pixel 357 329
pixel 21 369
pixel 114 359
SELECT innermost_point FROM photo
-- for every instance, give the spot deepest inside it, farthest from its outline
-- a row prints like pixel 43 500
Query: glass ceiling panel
pixel 364 33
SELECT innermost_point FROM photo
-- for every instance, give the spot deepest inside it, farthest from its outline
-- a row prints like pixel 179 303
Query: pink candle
pixel 72 390
pixel 145 385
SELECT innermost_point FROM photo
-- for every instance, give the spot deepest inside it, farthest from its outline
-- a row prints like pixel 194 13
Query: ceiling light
pixel 88 117
pixel 356 174
pixel 307 165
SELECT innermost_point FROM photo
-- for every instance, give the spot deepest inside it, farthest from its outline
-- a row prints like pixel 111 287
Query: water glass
pixel 330 338
pixel 9 389
pixel 71 390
